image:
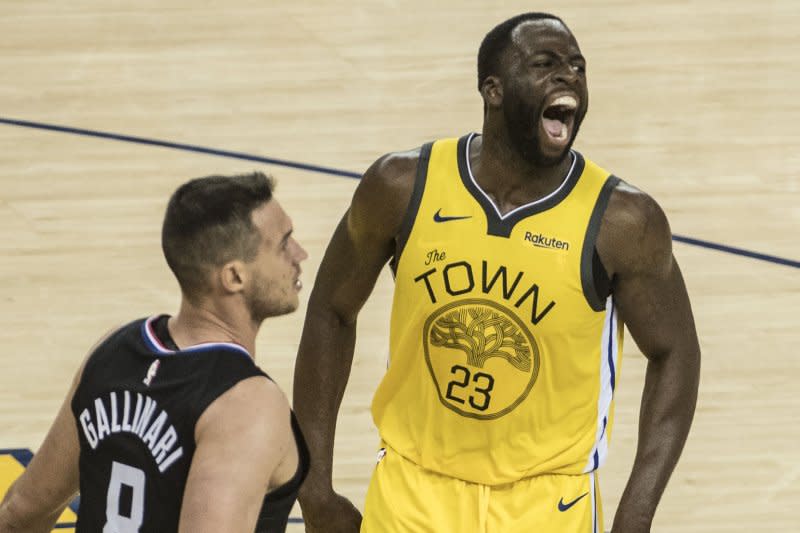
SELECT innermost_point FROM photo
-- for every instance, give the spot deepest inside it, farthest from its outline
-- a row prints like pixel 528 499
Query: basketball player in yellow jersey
pixel 517 260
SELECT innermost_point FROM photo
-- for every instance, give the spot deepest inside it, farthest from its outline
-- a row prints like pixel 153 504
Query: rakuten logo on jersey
pixel 540 241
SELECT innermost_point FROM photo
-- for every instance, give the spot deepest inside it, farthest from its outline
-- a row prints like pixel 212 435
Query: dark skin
pixel 634 245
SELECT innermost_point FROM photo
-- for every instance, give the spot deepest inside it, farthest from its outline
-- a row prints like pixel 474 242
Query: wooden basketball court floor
pixel 692 101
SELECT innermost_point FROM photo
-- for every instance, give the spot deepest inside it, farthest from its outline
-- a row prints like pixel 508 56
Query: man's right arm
pixel 37 498
pixel 360 247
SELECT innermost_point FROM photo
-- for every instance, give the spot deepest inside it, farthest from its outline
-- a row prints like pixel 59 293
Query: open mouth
pixel 558 119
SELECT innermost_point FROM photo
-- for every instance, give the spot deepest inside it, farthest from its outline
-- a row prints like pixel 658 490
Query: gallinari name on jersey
pixel 123 413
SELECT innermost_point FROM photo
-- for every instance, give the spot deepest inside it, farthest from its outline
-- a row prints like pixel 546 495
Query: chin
pixel 536 156
pixel 275 309
pixel 553 160
pixel 555 157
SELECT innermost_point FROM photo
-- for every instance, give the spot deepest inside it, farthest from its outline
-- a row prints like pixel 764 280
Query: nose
pixel 566 74
pixel 300 253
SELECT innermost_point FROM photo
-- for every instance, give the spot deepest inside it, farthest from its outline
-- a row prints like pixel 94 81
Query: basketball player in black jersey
pixel 532 80
pixel 169 424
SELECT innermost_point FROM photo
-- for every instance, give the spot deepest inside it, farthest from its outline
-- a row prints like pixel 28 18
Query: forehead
pixel 541 35
pixel 271 221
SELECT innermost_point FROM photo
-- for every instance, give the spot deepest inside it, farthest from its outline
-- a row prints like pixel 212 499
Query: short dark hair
pixel 498 39
pixel 209 222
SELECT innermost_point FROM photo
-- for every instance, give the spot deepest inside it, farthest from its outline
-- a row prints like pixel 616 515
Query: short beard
pixel 522 126
pixel 261 306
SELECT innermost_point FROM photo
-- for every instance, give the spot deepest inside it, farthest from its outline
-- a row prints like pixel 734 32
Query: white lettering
pixel 165 444
pixel 147 414
pixel 88 428
pixel 101 416
pixel 114 414
pixel 155 429
pixel 149 423
pixel 174 456
pixel 126 411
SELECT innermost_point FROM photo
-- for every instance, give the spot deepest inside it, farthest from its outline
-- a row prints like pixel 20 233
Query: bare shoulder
pixel 634 235
pixel 385 191
pixel 254 408
pixel 394 170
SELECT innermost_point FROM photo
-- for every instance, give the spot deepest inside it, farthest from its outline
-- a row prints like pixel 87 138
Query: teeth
pixel 565 101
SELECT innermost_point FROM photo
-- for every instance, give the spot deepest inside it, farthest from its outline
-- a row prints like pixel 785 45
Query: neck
pixel 202 322
pixel 511 180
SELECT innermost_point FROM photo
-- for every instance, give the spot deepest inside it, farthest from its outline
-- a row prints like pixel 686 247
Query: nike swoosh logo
pixel 565 506
pixel 437 217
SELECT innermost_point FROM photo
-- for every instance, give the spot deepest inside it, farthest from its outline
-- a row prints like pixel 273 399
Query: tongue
pixel 554 127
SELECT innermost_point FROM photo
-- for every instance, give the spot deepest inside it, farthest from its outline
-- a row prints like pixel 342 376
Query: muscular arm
pixel 242 439
pixel 636 248
pixel 37 498
pixel 360 247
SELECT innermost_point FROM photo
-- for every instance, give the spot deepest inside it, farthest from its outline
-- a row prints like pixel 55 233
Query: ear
pixel 232 276
pixel 492 91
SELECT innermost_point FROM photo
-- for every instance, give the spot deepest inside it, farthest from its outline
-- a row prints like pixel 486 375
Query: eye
pixel 580 69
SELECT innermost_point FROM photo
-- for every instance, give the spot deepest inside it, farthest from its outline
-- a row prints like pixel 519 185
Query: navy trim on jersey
pixel 591 284
pixel 152 341
pixel 595 495
pixel 413 204
pixel 611 335
pixel 502 225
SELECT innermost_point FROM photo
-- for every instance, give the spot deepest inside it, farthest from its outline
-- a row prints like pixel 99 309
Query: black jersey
pixel 136 407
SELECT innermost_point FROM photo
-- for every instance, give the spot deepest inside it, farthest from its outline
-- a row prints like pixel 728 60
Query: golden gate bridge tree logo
pixel 483 359
pixel 482 333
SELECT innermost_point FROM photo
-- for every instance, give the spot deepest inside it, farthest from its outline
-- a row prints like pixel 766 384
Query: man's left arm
pixel 635 245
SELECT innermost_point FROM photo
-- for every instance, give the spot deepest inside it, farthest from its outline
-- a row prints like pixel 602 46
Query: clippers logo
pixel 151 372
pixel 540 241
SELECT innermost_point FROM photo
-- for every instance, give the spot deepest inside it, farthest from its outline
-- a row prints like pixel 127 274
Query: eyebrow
pixel 286 236
pixel 552 54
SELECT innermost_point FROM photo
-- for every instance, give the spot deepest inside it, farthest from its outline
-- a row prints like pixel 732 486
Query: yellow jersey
pixel 503 356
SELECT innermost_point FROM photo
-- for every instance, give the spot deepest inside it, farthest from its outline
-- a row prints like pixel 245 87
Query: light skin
pixel 245 444
pixel 634 245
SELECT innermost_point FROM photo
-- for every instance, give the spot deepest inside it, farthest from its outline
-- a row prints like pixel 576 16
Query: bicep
pixel 241 439
pixel 350 267
pixel 364 240
pixel 655 307
pixel 648 287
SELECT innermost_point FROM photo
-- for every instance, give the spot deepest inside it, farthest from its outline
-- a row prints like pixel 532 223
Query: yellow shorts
pixel 404 498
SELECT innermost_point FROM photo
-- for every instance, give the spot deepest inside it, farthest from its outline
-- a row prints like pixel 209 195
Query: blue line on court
pixel 737 251
pixel 179 146
pixel 334 172
pixel 22 455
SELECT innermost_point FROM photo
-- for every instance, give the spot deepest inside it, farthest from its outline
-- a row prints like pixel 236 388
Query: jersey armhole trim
pixel 590 284
pixel 413 204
